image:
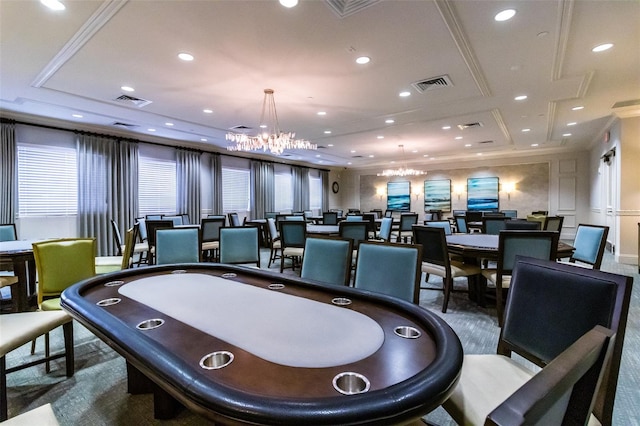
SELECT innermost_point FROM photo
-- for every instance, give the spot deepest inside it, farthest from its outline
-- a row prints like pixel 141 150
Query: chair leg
pixel 3 389
pixel 67 329
pixel 33 346
pixel 499 308
pixel 47 365
pixel 448 283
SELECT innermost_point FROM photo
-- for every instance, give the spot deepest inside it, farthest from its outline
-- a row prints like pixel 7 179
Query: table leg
pixel 165 406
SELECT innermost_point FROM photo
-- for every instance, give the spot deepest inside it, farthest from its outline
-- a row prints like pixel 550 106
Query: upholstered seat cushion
pixel 293 251
pixel 106 264
pixel 458 269
pixel 18 329
pixel 492 277
pixel 41 416
pixel 6 280
pixel 51 304
pixel 211 245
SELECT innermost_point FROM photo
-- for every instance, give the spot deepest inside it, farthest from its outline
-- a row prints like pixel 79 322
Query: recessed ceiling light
pixel 151 130
pixel 322 113
pixel 53 4
pixel 602 47
pixel 289 3
pixel 534 144
pixel 478 153
pixel 327 132
pixel 467 145
pixel 432 158
pixel 566 135
pixel 185 56
pixel 207 111
pixel 573 123
pixel 371 155
pixel 389 121
pixel 505 15
pixel 168 124
pixel 363 60
pixel 203 139
pixel 127 88
pixel 446 127
pixel 425 155
pixel 520 97
pixel 577 108
pixel 380 137
pixel 349 163
pixel 415 151
pixel 353 151
pixel 76 115
pixel 458 138
pixel 404 94
pixel 318 155
pixel 330 145
pixel 526 130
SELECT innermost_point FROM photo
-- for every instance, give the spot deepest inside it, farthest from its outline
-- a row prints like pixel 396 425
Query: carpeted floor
pixel 97 395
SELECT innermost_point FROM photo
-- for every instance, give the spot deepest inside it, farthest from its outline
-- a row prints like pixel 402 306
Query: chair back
pixel 370 218
pixel 564 391
pixel 239 245
pixel 536 244
pixel 388 213
pixel 492 225
pixel 268 215
pixel 329 218
pixel 461 224
pixel 540 212
pixel 523 225
pixel 550 305
pixel 178 245
pixel 392 269
pixel 272 228
pixel 553 223
pixel 589 244
pixel 327 260
pixel 185 219
pixel 298 218
pixel 210 229
pixel 385 228
pixel 63 262
pixel 8 232
pixel 153 217
pixel 293 233
pixel 218 216
pixel 434 245
pixel 117 238
pixel 355 231
pixel 142 228
pixel 444 224
pixel 407 220
pixel 234 219
pixel 510 213
pixel 129 245
pixel 354 217
pixel 473 216
pixel 176 219
pixel 353 211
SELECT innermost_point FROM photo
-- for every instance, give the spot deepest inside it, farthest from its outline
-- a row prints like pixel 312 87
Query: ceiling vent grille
pixel 344 8
pixel 241 128
pixel 131 100
pixel 432 83
pixel 125 125
pixel 470 125
pixel 484 142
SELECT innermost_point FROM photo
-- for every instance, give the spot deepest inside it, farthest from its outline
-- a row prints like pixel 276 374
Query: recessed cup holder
pixel 179 271
pixel 275 286
pixel 229 275
pixel 114 283
pixel 150 324
pixel 108 302
pixel 349 383
pixel 407 332
pixel 216 360
pixel 341 301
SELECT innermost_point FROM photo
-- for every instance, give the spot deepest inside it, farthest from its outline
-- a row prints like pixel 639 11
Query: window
pixel 47 181
pixel 283 192
pixel 156 186
pixel 235 190
pixel 315 193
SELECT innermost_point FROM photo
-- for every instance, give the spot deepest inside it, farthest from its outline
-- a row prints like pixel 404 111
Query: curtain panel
pixel 262 197
pixel 324 175
pixel 300 188
pixel 216 184
pixel 8 172
pixel 188 184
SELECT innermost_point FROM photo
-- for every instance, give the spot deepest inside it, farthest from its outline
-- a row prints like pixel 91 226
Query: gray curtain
pixel 262 189
pixel 188 184
pixel 107 188
pixel 8 172
pixel 300 188
pixel 216 184
pixel 324 175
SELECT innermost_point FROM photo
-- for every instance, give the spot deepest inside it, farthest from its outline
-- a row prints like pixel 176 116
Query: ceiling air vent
pixel 344 8
pixel 241 128
pixel 131 100
pixel 357 156
pixel 125 125
pixel 484 142
pixel 470 125
pixel 432 83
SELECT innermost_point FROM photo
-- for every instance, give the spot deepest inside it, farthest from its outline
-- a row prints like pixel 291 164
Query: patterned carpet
pixel 97 395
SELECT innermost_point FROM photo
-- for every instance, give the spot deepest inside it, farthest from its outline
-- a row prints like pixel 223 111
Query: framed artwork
pixel 482 194
pixel 399 196
pixel 437 195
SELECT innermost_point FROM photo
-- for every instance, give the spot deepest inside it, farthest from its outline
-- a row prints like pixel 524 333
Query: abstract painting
pixel 482 194
pixel 437 195
pixel 399 196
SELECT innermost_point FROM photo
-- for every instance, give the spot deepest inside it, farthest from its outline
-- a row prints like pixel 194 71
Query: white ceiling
pixel 55 64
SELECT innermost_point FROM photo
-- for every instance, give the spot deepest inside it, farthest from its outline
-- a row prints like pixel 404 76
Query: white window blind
pixel 283 192
pixel 235 190
pixel 156 186
pixel 315 193
pixel 47 181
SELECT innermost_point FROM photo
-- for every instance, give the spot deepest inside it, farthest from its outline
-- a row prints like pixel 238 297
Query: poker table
pixel 244 346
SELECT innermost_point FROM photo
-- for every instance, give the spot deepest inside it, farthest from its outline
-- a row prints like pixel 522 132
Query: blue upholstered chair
pixel 210 237
pixel 385 229
pixel 154 217
pixel 392 269
pixel 354 230
pixel 510 213
pixel 178 245
pixel 234 219
pixel 444 224
pixel 327 260
pixel 293 234
pixel 152 226
pixel 589 245
pixel 492 225
pixel 239 245
pixel 407 220
pixel 355 218
pixel 523 225
pixel 461 224
pixel 8 232
pixel 329 218
pixel 176 219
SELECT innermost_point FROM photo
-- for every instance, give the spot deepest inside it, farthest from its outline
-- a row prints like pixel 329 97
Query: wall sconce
pixel 458 190
pixel 380 192
pixel 509 188
pixel 416 194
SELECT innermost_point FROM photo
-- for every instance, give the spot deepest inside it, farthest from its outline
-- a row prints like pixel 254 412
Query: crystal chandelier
pixel 271 139
pixel 402 171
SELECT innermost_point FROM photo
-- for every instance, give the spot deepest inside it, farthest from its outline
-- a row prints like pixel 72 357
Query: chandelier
pixel 271 139
pixel 402 171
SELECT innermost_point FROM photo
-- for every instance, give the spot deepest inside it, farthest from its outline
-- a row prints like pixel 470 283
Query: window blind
pixel 156 186
pixel 284 192
pixel 235 189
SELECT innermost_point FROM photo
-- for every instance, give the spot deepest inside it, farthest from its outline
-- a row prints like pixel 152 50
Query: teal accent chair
pixel 492 225
pixel 210 237
pixel 152 226
pixel 178 245
pixel 407 220
pixel 444 224
pixel 389 268
pixel 461 224
pixel 329 218
pixel 239 245
pixel 293 234
pixel 176 219
pixel 327 260
pixel 354 218
pixel 8 232
pixel 589 245
pixel 385 229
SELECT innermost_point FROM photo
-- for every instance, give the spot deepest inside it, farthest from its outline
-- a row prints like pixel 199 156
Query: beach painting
pixel 399 196
pixel 482 194
pixel 437 195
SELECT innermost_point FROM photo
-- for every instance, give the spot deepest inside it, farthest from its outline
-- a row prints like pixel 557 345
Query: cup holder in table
pixel 407 332
pixel 150 324
pixel 114 283
pixel 216 360
pixel 108 302
pixel 179 271
pixel 275 286
pixel 341 301
pixel 229 275
pixel 349 383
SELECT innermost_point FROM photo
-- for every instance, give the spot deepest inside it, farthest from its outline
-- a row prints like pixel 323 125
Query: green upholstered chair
pixel 178 245
pixel 210 237
pixel 549 306
pixel 444 224
pixel 106 264
pixel 589 245
pixel 240 245
pixel 392 269
pixel 436 260
pixel 327 260
pixel 292 237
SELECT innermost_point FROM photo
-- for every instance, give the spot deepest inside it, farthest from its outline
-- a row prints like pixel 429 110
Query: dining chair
pixel 404 233
pixel 564 391
pixel 152 226
pixel 210 238
pixel 436 260
pixel 218 216
pixel 549 306
pixel 540 212
pixel 239 245
pixel 274 241
pixel 329 218
pixel 389 268
pixel 234 219
pixel 461 224
pixel 117 238
pixel 589 244
pixel 8 278
pixel 388 213
pixel 8 232
pixel 176 219
pixel 492 225
pixel 327 260
pixel 185 219
pixel 510 213
pixel 357 231
pixel 106 264
pixel 178 245
pixel 352 217
pixel 553 223
pixel 523 225
pixel 292 238
pixel 153 217
pixel 536 244
pixel 384 234
pixel 444 224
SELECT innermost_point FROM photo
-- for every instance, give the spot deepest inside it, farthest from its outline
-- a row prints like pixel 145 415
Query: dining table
pixel 19 254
